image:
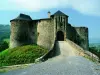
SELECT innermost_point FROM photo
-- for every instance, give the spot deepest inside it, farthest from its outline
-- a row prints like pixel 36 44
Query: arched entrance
pixel 60 36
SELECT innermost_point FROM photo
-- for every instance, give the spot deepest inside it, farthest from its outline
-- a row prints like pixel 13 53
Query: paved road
pixel 66 63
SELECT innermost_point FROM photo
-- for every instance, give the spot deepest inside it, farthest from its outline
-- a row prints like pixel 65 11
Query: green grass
pixel 21 55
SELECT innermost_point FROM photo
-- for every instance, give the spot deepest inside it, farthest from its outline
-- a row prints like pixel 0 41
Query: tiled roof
pixel 23 17
pixel 59 13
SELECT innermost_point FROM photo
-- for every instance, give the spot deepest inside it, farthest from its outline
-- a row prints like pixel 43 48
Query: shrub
pixel 3 45
pixel 95 50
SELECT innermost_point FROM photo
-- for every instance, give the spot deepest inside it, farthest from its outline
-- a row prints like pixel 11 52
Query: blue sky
pixel 80 12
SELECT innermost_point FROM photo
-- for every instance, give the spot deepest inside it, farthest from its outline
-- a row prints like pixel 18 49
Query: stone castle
pixel 46 31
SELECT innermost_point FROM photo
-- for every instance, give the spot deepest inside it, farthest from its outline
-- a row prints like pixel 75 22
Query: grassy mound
pixel 21 55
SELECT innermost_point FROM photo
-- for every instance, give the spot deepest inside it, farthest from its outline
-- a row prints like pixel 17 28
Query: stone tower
pixel 20 31
pixel 60 23
pixel 46 31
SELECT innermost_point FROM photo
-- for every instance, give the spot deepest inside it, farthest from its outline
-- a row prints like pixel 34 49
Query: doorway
pixel 60 36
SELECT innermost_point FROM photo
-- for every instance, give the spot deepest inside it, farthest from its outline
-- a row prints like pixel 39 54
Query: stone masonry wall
pixel 70 32
pixel 45 30
pixel 33 32
pixel 82 37
pixel 19 33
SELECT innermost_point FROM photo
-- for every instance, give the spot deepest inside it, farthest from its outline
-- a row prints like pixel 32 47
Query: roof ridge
pixel 59 13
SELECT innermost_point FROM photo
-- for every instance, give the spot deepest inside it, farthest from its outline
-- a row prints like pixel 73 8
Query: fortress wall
pixel 19 33
pixel 33 31
pixel 70 32
pixel 82 37
pixel 45 31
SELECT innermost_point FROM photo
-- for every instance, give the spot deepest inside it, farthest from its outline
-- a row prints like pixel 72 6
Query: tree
pixel 3 45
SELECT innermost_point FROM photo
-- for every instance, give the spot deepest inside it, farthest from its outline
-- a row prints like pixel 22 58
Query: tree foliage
pixel 3 45
pixel 95 50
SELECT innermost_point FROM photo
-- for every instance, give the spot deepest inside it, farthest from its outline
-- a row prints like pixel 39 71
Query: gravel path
pixel 67 63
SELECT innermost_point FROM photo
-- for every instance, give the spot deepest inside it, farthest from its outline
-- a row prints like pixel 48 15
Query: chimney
pixel 49 14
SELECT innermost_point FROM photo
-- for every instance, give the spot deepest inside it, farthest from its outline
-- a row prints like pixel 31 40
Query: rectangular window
pixel 61 18
pixel 56 23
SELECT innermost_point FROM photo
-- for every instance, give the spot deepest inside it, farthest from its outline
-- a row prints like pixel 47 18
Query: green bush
pixel 3 45
pixel 95 51
pixel 21 55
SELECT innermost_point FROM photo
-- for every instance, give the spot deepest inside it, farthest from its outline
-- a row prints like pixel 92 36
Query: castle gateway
pixel 45 32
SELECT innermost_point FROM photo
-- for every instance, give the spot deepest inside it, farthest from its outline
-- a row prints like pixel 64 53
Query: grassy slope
pixel 21 55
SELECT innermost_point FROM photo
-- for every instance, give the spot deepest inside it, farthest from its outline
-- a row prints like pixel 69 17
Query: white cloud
pixel 91 7
pixel 36 5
